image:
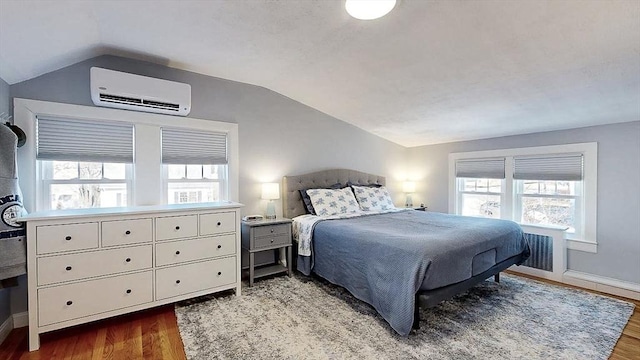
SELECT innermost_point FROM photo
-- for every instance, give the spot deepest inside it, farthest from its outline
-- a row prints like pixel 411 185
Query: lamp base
pixel 409 201
pixel 271 211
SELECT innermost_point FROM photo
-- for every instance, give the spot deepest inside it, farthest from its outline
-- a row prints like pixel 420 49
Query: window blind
pixel 84 140
pixel 181 146
pixel 567 167
pixel 480 168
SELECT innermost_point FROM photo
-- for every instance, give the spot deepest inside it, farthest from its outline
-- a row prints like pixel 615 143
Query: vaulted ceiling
pixel 431 71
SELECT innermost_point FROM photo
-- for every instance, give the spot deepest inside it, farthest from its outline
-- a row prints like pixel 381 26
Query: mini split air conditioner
pixel 134 92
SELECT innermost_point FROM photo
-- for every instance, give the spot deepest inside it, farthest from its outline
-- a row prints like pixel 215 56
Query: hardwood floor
pixel 153 334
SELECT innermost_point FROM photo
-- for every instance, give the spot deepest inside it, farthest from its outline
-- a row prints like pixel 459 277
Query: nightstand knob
pixel 178 252
pixel 69 303
pixel 272 231
pixel 219 273
pixel 68 238
pixel 127 259
pixel 127 232
pixel 177 227
pixel 128 291
pixel 177 281
pixel 219 223
pixel 68 268
pixel 271 240
pixel 219 246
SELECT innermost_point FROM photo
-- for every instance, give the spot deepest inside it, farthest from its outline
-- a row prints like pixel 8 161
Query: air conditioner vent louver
pixel 134 92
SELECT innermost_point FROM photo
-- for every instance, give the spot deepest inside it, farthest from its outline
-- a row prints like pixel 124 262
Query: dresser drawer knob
pixel 68 238
pixel 271 240
pixel 177 281
pixel 68 268
pixel 219 246
pixel 127 259
pixel 177 227
pixel 219 273
pixel 272 231
pixel 69 303
pixel 219 223
pixel 128 232
pixel 178 252
pixel 128 291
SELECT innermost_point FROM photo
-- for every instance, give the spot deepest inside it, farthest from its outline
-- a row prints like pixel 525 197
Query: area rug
pixel 308 318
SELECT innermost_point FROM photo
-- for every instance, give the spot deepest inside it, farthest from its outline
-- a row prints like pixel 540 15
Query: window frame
pixel 459 191
pixel 46 180
pixel 588 214
pixel 147 168
pixel 222 180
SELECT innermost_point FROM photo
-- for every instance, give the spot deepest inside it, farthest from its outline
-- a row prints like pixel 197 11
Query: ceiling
pixel 431 71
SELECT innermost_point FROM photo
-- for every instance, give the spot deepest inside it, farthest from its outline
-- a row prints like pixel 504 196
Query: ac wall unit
pixel 134 92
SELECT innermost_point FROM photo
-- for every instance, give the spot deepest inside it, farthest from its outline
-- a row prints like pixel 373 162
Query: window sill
pixel 582 245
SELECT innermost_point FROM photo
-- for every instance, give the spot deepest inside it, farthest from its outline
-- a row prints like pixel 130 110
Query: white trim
pixel 147 183
pixel 20 319
pixel 5 329
pixel 603 284
pixel 590 183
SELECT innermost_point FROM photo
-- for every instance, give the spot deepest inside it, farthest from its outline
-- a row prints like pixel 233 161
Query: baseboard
pixel 5 328
pixel 21 319
pixel 603 284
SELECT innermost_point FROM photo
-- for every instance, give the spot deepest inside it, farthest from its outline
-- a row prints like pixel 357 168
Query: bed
pixel 400 261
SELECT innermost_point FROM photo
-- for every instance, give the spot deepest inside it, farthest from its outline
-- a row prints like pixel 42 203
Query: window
pixel 84 163
pixel 194 164
pixel 75 185
pixel 544 186
pixel 194 183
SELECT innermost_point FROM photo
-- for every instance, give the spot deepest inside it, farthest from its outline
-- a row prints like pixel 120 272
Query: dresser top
pixel 129 210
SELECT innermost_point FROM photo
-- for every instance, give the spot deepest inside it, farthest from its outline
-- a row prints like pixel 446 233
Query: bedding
pixel 373 198
pixel 386 258
pixel 306 200
pixel 328 202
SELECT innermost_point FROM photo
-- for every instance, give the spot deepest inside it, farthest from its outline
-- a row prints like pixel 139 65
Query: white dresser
pixel 89 264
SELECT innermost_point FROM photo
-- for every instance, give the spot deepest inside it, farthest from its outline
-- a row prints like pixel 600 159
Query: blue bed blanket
pixel 385 259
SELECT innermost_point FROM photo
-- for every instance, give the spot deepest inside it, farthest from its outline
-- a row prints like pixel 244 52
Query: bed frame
pixel 293 206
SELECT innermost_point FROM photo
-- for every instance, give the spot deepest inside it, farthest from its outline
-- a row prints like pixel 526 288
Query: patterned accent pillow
pixel 328 202
pixel 373 198
pixel 306 200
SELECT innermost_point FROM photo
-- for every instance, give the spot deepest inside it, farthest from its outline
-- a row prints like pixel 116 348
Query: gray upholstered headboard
pixel 292 202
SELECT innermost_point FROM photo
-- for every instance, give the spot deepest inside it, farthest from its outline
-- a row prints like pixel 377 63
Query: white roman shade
pixel 84 140
pixel 480 168
pixel 567 167
pixel 182 146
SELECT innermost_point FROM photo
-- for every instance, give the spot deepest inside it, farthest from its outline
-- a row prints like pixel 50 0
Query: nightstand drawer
pixel 67 302
pixel 180 280
pixel 54 269
pixel 176 227
pixel 58 238
pixel 271 241
pixel 126 232
pixel 218 223
pixel 277 229
pixel 175 252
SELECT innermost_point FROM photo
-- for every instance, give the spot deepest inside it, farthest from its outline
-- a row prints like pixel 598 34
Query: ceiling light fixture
pixel 369 9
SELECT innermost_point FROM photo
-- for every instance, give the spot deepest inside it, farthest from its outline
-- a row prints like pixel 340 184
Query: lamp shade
pixel 409 187
pixel 270 191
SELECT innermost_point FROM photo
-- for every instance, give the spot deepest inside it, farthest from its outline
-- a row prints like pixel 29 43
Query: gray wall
pixel 278 136
pixel 618 228
pixel 5 310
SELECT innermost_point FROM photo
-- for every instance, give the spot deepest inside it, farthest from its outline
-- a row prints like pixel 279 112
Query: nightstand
pixel 420 208
pixel 266 235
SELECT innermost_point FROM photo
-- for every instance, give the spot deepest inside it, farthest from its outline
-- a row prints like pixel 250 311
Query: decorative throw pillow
pixel 328 202
pixel 373 198
pixel 306 200
pixel 349 183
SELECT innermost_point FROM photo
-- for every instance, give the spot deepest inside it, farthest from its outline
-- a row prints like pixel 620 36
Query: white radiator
pixel 548 252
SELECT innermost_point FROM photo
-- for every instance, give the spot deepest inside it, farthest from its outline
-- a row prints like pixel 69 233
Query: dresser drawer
pixel 58 238
pixel 176 227
pixel 174 252
pixel 124 232
pixel 54 269
pixel 271 241
pixel 184 279
pixel 218 223
pixel 67 302
pixel 277 229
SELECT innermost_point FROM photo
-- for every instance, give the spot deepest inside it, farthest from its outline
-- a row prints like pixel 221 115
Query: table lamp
pixel 271 191
pixel 409 187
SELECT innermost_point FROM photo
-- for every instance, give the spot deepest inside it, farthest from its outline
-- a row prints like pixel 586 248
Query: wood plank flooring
pixel 153 334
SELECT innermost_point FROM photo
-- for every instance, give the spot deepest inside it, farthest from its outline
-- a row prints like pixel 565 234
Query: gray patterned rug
pixel 303 318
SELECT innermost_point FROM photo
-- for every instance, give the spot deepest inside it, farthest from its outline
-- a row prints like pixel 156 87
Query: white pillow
pixel 328 202
pixel 373 198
